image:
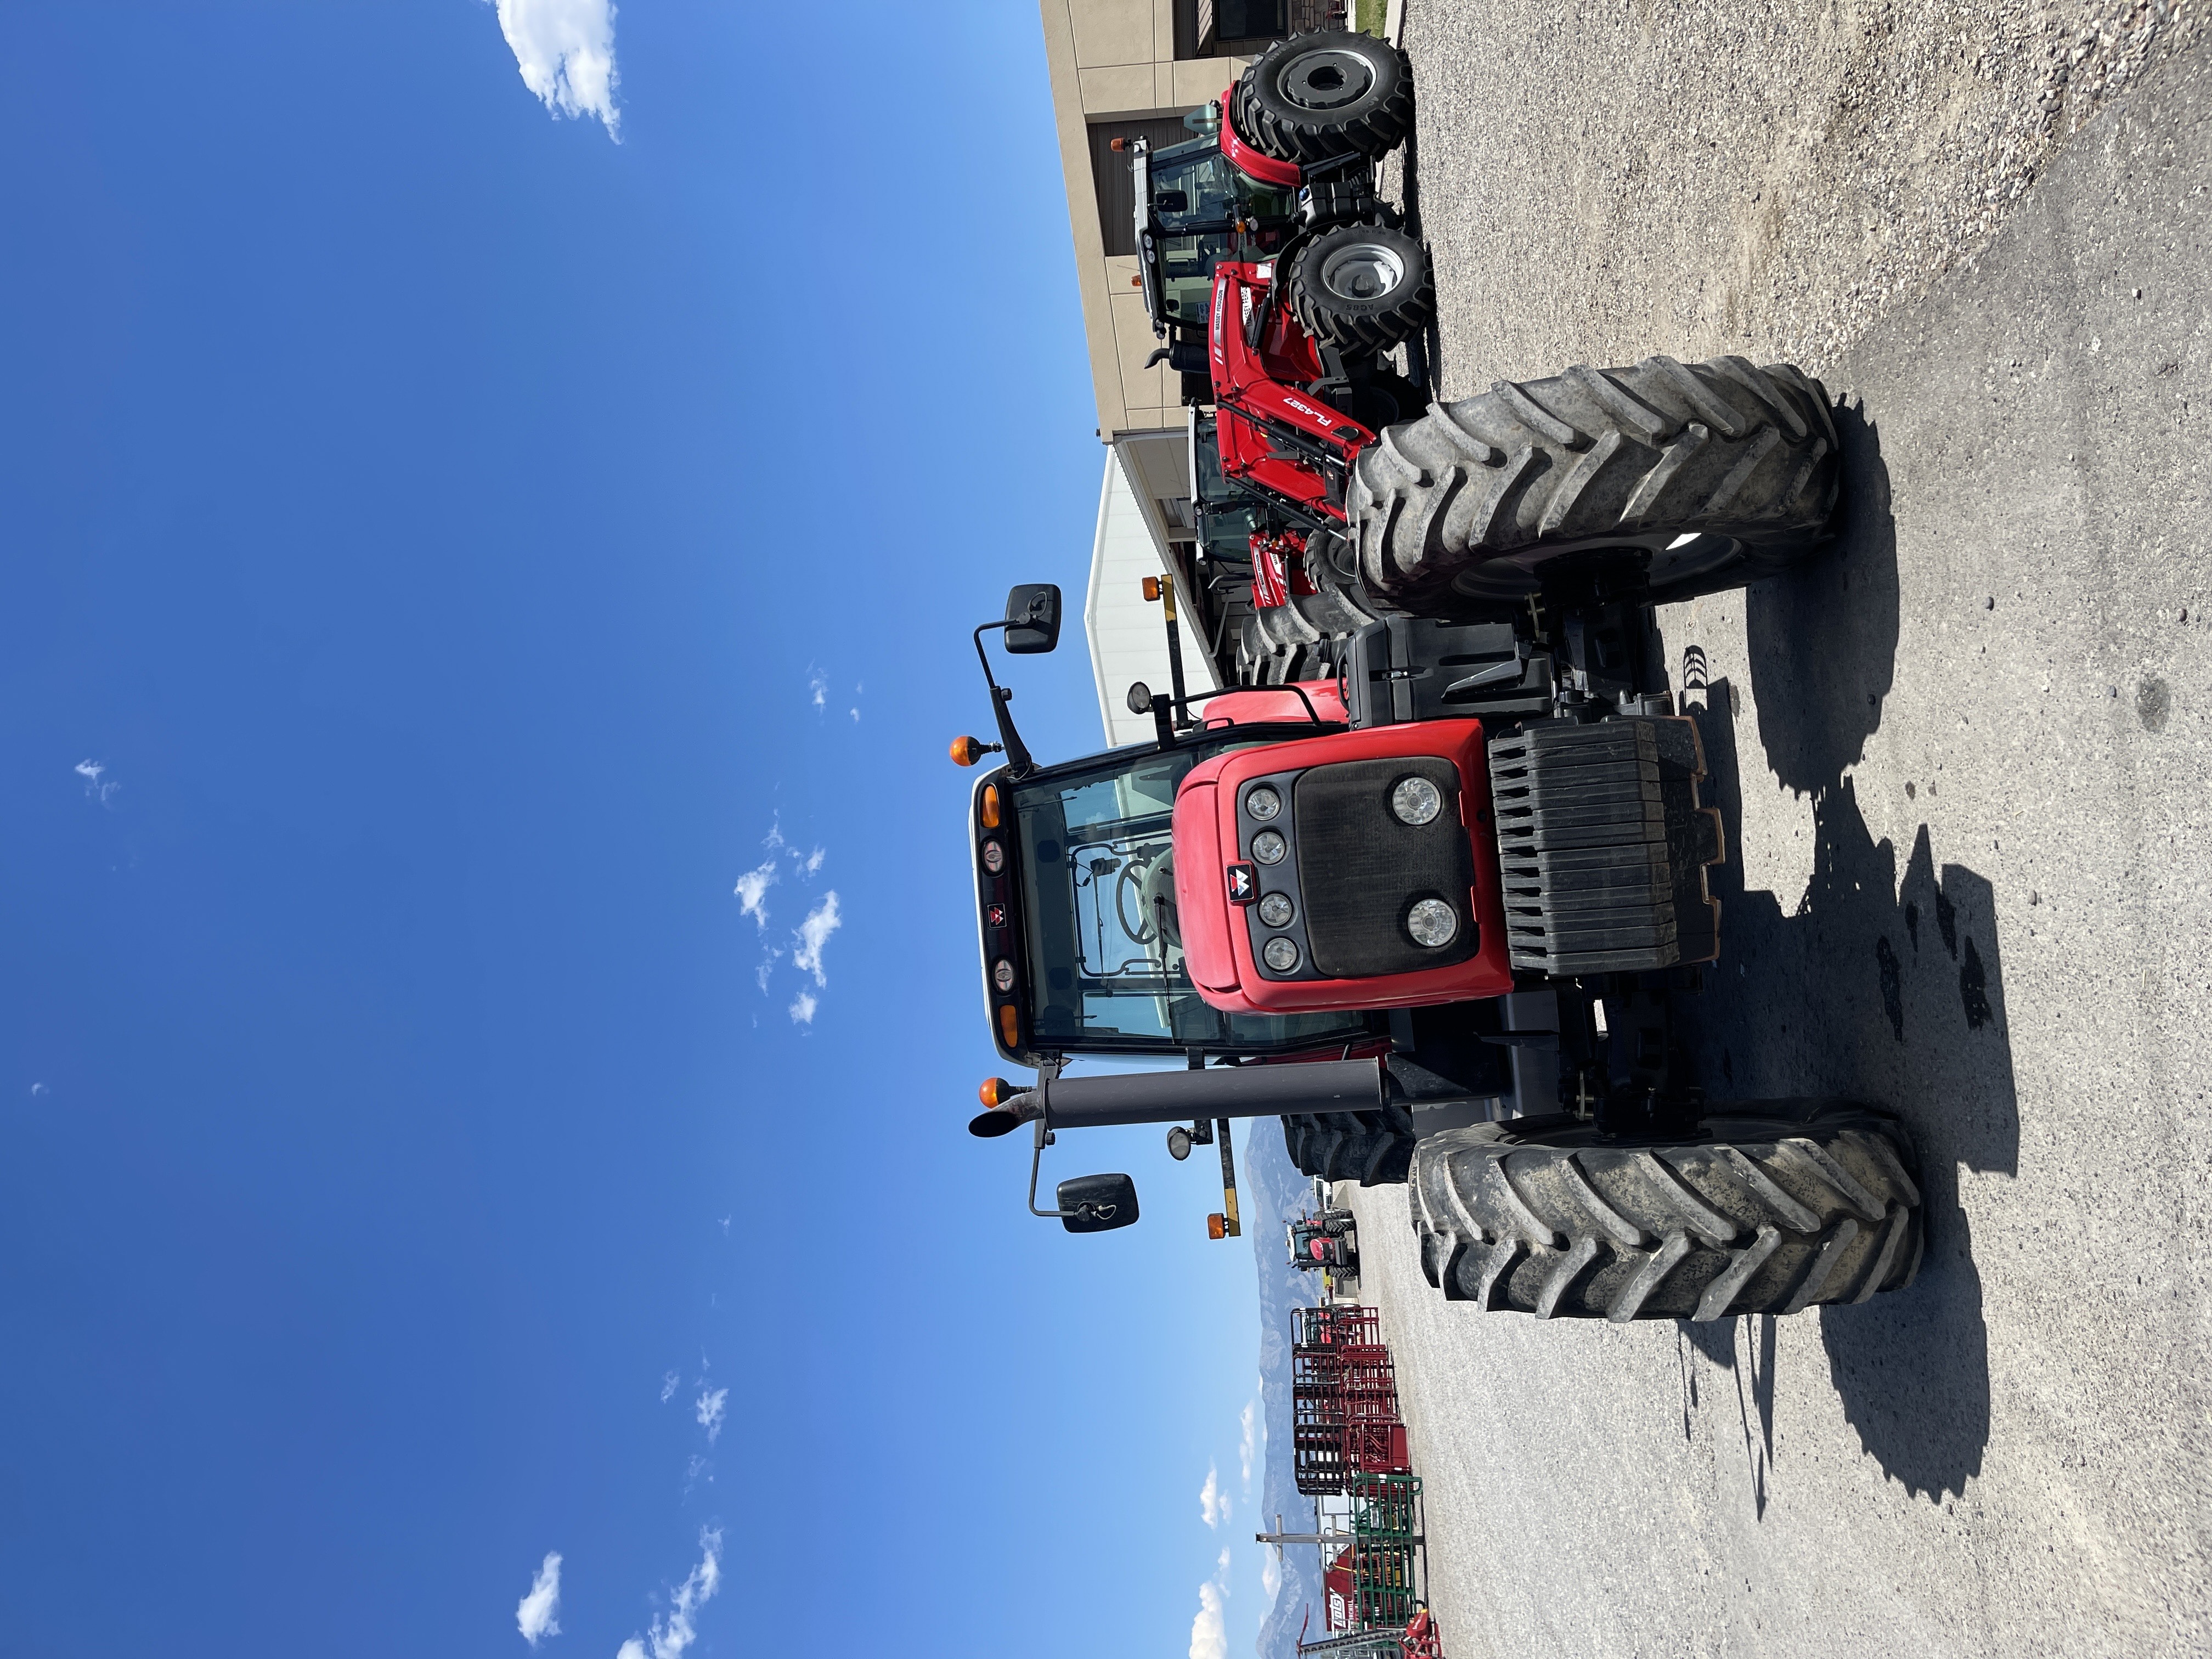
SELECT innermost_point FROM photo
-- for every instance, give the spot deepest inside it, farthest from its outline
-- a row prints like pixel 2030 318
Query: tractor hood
pixel 1354 870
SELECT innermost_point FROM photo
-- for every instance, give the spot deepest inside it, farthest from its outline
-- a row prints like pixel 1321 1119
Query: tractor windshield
pixel 1106 956
pixel 1197 201
pixel 1226 519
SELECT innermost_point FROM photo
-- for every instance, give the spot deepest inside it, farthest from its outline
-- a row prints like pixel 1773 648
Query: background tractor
pixel 1282 286
pixel 1434 909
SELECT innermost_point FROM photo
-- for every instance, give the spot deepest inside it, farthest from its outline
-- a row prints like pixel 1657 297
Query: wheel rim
pixel 1326 78
pixel 1362 271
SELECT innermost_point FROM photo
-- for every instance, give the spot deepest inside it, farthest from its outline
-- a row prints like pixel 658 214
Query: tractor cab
pixel 1195 208
pixel 1083 948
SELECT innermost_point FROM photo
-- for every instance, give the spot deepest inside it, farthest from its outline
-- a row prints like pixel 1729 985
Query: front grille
pixel 1361 869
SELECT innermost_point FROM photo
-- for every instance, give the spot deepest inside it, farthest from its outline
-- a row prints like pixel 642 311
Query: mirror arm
pixel 1044 1139
pixel 1018 752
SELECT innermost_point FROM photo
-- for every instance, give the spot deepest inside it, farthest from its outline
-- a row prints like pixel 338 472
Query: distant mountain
pixel 1273 1191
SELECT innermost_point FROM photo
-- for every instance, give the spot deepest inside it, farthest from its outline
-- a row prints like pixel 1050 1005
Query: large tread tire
pixel 1785 1205
pixel 1368 323
pixel 1373 1148
pixel 1279 110
pixel 1485 501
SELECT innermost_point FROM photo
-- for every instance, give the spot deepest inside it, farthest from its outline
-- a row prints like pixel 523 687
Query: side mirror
pixel 1097 1203
pixel 1141 698
pixel 1172 201
pixel 1033 618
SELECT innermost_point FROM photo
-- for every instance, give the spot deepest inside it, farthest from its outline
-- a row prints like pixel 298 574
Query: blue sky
pixel 446 549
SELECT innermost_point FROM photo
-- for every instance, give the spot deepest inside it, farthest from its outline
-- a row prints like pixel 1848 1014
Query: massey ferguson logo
pixel 996 915
pixel 1243 884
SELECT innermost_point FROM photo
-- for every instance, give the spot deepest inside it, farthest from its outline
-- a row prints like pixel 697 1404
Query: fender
pixel 1282 175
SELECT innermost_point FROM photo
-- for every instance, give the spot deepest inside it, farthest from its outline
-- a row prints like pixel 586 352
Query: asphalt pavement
pixel 1967 763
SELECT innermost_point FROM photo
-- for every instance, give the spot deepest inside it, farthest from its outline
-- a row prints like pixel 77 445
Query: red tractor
pixel 1434 911
pixel 1282 284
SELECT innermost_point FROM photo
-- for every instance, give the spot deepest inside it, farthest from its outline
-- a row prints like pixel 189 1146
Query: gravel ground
pixel 1623 177
pixel 1968 761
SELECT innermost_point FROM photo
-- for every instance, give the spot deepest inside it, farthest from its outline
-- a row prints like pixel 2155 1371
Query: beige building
pixel 1124 68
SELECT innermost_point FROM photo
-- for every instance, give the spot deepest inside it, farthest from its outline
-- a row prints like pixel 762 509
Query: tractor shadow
pixel 1883 983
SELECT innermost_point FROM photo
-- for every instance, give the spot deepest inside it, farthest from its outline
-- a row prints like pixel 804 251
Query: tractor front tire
pixel 1329 93
pixel 1373 1148
pixel 1671 479
pixel 1779 1206
pixel 1363 289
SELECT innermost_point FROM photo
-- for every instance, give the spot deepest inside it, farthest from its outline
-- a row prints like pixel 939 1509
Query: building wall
pixel 1114 60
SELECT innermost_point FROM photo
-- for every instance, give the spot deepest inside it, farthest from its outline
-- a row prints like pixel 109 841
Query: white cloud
pixel 38 1089
pixel 769 959
pixel 566 51
pixel 668 1381
pixel 1221 1571
pixel 1271 1577
pixel 669 1639
pixel 1212 1501
pixel 811 862
pixel 90 771
pixel 752 891
pixel 803 1006
pixel 1246 1444
pixel 854 713
pixel 813 933
pixel 711 1406
pixel 820 688
pixel 535 1615
pixel 1209 1637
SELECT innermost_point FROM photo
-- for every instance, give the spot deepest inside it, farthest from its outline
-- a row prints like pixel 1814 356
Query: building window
pixel 1243 28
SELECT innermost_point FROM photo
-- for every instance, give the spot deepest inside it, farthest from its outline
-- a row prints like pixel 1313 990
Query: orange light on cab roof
pixel 990 808
pixel 966 751
pixel 1152 590
pixel 1010 1025
pixel 1217 1226
pixel 996 1093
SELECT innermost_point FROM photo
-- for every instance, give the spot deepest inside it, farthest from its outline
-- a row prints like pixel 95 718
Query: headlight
pixel 1269 847
pixel 1002 973
pixel 1262 803
pixel 1281 954
pixel 1433 923
pixel 1276 909
pixel 1416 801
pixel 994 857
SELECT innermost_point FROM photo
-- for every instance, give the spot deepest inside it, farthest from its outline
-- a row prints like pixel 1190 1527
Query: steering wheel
pixel 1143 932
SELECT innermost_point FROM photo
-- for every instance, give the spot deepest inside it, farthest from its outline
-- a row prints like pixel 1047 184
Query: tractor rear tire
pixel 1372 1148
pixel 1329 93
pixel 1363 289
pixel 1593 475
pixel 1782 1205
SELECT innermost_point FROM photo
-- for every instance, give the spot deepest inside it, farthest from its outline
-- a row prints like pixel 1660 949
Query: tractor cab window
pixel 1226 519
pixel 1106 950
pixel 1197 200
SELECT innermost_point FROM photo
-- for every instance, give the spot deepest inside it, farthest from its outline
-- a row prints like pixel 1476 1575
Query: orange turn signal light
pixel 995 1092
pixel 966 751
pixel 1010 1025
pixel 989 811
pixel 1117 144
pixel 1217 1226
pixel 1152 589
